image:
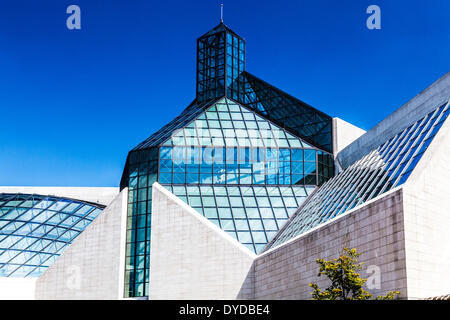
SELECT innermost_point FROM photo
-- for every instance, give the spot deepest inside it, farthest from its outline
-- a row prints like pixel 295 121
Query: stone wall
pixel 344 133
pixel 427 220
pixel 376 230
pixel 190 257
pixel 92 267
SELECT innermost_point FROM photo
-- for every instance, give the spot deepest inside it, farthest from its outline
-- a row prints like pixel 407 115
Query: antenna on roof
pixel 221 13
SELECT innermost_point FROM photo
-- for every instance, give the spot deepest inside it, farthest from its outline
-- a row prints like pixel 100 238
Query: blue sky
pixel 74 102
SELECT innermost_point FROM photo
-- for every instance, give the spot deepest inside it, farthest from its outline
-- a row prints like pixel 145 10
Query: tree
pixel 346 282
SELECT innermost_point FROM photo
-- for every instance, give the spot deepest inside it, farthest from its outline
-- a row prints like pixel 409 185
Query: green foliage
pixel 346 282
pixel 389 296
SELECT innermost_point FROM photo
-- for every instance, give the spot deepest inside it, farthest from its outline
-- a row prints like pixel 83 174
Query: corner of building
pixel 423 103
pixel 190 257
pixel 344 133
pixel 427 220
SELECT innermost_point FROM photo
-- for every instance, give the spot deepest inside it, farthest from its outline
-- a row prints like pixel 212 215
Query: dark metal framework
pixel 291 169
pixel 220 61
pixel 141 173
pixel 289 112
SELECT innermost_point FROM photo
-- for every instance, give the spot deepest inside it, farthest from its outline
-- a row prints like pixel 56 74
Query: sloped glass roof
pixel 209 126
pixel 272 171
pixel 226 123
pixel 188 114
pixel 250 214
pixel 221 27
pixel 382 169
pixel 36 229
pixel 290 113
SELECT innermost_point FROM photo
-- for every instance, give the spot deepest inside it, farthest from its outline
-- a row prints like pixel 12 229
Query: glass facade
pixel 379 171
pixel 142 173
pixel 236 168
pixel 189 114
pixel 36 229
pixel 234 165
pixel 231 144
pixel 233 154
pixel 250 214
pixel 290 113
pixel 220 61
pixel 221 72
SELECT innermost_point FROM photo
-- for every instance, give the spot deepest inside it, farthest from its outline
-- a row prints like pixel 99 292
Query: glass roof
pixel 35 230
pixel 221 27
pixel 226 123
pixel 220 61
pixel 207 126
pixel 381 170
pixel 189 114
pixel 250 214
pixel 290 113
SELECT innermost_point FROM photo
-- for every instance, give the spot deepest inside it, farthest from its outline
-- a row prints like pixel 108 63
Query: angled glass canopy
pixel 226 122
pixel 188 115
pixel 230 144
pixel 381 170
pixel 290 113
pixel 250 214
pixel 35 230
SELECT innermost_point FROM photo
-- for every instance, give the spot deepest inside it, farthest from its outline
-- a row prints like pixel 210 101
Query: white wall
pixel 427 220
pixel 100 195
pixel 92 267
pixel 344 133
pixel 190 257
pixel 17 288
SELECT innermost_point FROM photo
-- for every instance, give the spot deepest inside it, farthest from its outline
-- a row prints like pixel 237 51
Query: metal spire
pixel 221 13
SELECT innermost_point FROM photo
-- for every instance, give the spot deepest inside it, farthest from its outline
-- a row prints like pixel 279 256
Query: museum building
pixel 239 195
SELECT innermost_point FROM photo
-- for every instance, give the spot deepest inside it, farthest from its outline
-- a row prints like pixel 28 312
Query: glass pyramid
pixel 243 153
